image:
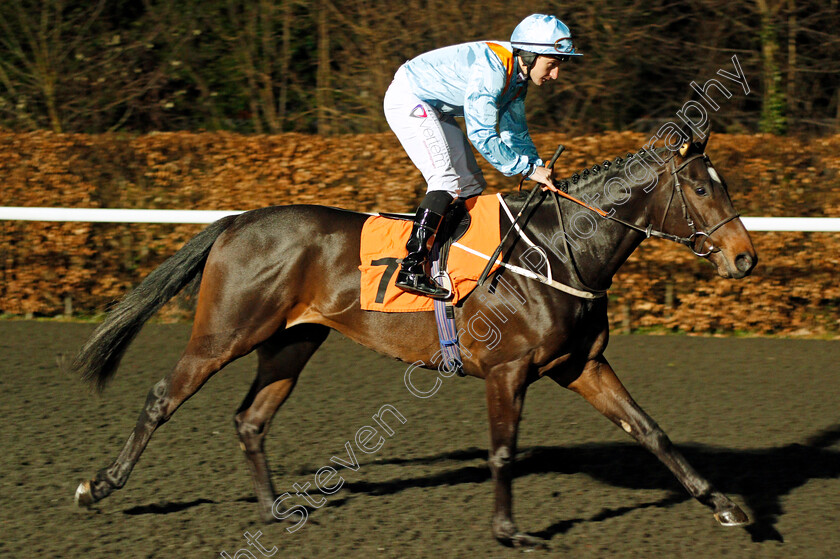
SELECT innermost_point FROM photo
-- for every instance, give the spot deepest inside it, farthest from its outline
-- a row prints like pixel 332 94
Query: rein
pixel 649 231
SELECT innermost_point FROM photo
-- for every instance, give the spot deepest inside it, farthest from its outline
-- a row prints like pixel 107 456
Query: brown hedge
pixel 793 290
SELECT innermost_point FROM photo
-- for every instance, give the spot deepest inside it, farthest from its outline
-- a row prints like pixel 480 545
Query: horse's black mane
pixel 597 174
pixel 606 170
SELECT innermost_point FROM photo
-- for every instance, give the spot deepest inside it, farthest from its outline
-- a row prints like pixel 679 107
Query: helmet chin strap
pixel 527 61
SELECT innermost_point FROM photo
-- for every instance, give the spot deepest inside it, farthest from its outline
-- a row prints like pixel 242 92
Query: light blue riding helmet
pixel 545 35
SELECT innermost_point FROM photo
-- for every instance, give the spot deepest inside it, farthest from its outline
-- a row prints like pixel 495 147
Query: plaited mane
pixel 598 174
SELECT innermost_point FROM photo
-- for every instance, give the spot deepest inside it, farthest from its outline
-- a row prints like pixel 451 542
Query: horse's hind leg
pixel 204 356
pixel 281 359
pixel 599 385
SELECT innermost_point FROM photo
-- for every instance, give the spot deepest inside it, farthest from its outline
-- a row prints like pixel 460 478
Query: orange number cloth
pixel 383 244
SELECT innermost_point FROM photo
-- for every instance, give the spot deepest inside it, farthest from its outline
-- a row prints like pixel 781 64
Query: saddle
pixel 470 226
pixel 454 225
pixel 455 222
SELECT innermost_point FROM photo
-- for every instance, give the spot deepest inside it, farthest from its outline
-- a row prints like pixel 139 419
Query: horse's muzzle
pixel 736 257
pixel 745 263
pixel 743 266
pixel 738 267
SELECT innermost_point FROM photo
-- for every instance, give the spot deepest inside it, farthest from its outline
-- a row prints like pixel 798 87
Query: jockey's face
pixel 545 68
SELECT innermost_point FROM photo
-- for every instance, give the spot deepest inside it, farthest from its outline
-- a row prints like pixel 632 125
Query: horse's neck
pixel 611 243
pixel 608 249
pixel 598 246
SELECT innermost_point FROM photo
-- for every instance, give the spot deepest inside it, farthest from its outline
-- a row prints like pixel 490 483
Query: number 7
pixel 392 264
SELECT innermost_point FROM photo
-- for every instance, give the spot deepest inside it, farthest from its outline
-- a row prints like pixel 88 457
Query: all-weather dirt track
pixel 759 417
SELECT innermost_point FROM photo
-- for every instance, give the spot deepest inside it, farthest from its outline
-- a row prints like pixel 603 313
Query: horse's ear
pixel 701 146
pixel 689 145
pixel 688 138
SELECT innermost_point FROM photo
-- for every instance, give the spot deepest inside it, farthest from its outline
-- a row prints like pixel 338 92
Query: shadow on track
pixel 166 508
pixel 761 476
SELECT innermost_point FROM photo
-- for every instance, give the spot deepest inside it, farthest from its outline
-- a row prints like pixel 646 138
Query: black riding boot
pixel 412 275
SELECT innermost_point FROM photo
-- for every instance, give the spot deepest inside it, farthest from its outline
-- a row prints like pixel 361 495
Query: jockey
pixel 484 82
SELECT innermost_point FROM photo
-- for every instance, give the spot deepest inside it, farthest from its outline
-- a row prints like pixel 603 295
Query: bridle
pixel 649 231
pixel 691 240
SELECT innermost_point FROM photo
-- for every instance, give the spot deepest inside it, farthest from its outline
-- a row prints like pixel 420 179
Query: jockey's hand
pixel 543 176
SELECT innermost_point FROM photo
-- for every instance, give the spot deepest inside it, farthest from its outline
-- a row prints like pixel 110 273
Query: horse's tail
pixel 99 358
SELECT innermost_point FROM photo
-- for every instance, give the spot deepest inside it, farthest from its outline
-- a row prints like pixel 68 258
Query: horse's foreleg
pixel 599 385
pixel 281 359
pixel 505 397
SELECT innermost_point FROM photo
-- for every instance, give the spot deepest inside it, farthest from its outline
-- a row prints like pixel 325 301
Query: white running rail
pixel 99 215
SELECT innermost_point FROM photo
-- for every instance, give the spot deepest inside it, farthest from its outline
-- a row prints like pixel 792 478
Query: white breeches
pixel 435 144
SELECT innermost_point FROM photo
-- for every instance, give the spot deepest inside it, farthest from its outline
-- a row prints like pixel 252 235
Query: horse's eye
pixel 700 191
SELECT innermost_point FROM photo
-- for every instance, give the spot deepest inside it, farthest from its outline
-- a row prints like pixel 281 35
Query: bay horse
pixel 277 279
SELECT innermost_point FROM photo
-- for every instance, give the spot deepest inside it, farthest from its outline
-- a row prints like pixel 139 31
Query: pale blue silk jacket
pixel 473 81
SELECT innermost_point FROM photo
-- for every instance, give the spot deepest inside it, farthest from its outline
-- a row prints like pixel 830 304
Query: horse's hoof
pixel 523 541
pixel 530 542
pixel 732 517
pixel 84 498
